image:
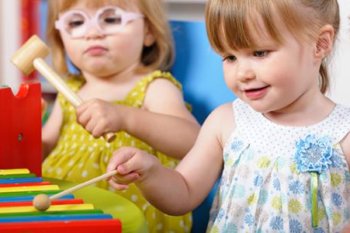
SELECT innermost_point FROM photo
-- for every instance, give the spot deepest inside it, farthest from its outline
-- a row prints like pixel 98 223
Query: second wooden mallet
pixel 42 201
pixel 31 56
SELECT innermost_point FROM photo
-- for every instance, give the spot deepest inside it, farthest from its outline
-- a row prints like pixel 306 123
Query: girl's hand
pixel 100 117
pixel 132 165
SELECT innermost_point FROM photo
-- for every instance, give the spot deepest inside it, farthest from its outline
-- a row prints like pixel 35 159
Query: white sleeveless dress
pixel 283 179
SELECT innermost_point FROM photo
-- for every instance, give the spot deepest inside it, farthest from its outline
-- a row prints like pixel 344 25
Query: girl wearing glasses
pixel 121 49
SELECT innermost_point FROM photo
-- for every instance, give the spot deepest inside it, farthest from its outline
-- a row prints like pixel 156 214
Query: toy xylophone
pixel 18 187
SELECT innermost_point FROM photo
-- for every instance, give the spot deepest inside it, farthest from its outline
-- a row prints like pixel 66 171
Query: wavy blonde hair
pixel 233 22
pixel 159 55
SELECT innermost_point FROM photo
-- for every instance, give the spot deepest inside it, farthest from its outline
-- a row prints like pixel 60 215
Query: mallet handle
pixel 56 81
pixel 82 185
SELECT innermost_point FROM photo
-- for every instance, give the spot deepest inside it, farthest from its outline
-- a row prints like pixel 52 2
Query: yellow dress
pixel 78 156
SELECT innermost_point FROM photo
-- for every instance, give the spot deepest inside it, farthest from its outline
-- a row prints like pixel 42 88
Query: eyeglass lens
pixel 109 21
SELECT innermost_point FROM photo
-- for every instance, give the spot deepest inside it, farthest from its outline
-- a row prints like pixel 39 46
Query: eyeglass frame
pixel 126 17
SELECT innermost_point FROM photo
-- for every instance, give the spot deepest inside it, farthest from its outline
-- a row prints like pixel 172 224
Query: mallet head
pixel 24 57
pixel 41 202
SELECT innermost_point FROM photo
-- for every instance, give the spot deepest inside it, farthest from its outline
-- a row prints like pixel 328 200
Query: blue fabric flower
pixel 314 154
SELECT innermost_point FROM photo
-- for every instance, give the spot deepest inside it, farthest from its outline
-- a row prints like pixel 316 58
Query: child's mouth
pixel 256 93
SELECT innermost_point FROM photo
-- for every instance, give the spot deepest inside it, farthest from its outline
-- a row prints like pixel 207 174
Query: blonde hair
pixel 233 22
pixel 159 55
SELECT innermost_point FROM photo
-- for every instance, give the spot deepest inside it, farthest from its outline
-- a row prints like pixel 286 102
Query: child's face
pixel 98 48
pixel 272 76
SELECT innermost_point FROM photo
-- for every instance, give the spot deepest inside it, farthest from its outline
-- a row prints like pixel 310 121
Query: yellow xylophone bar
pixel 25 209
pixel 28 188
pixel 14 171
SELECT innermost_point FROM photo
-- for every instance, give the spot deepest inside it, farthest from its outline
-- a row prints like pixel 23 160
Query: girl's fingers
pixel 94 127
pixel 126 160
pixel 118 186
pixel 119 157
pixel 122 182
pixel 126 179
pixel 119 162
pixel 83 117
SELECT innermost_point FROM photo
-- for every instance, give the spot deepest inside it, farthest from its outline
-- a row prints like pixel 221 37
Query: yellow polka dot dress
pixel 78 156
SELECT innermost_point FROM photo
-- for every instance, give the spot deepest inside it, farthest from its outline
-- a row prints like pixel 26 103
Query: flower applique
pixel 315 155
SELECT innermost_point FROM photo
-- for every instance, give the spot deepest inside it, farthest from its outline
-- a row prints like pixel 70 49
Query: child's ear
pixel 149 37
pixel 325 40
pixel 149 40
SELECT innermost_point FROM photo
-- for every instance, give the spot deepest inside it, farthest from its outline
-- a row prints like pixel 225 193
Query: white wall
pixel 340 63
pixel 9 42
pixel 186 9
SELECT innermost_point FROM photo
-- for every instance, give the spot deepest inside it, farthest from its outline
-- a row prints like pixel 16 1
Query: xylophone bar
pixel 17 185
pixel 54 202
pixel 63 217
pixel 29 209
pixel 29 188
pixel 54 216
pixel 68 214
pixel 81 226
pixel 26 184
pixel 14 171
pixel 20 180
pixel 17 176
pixel 27 196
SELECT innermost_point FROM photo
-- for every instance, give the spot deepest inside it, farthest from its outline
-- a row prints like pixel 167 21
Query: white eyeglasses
pixel 109 20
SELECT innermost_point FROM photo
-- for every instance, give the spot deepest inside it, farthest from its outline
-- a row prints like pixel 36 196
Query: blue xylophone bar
pixel 30 198
pixel 21 180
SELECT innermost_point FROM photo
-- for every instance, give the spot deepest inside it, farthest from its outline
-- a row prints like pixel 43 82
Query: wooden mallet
pixel 31 56
pixel 42 201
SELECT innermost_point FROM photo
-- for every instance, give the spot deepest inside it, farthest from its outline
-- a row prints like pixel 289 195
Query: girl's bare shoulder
pixel 221 121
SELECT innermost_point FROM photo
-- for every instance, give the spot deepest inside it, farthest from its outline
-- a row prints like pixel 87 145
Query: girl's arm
pixel 164 122
pixel 178 191
pixel 51 129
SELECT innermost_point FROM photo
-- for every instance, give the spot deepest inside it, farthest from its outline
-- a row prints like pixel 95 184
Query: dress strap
pixel 339 123
pixel 137 95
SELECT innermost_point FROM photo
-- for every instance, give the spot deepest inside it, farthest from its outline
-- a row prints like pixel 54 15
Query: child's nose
pixel 93 31
pixel 245 71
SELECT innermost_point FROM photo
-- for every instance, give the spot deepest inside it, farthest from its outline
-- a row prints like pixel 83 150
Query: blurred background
pixel 196 66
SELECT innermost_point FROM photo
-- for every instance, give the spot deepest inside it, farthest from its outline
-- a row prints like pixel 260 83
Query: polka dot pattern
pixel 78 156
pixel 261 189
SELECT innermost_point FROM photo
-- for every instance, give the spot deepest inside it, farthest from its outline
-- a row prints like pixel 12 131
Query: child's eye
pixel 262 53
pixel 229 58
pixel 112 20
pixel 111 16
pixel 75 23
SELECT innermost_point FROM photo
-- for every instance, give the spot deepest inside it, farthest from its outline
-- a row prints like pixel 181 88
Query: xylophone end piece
pixel 41 202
